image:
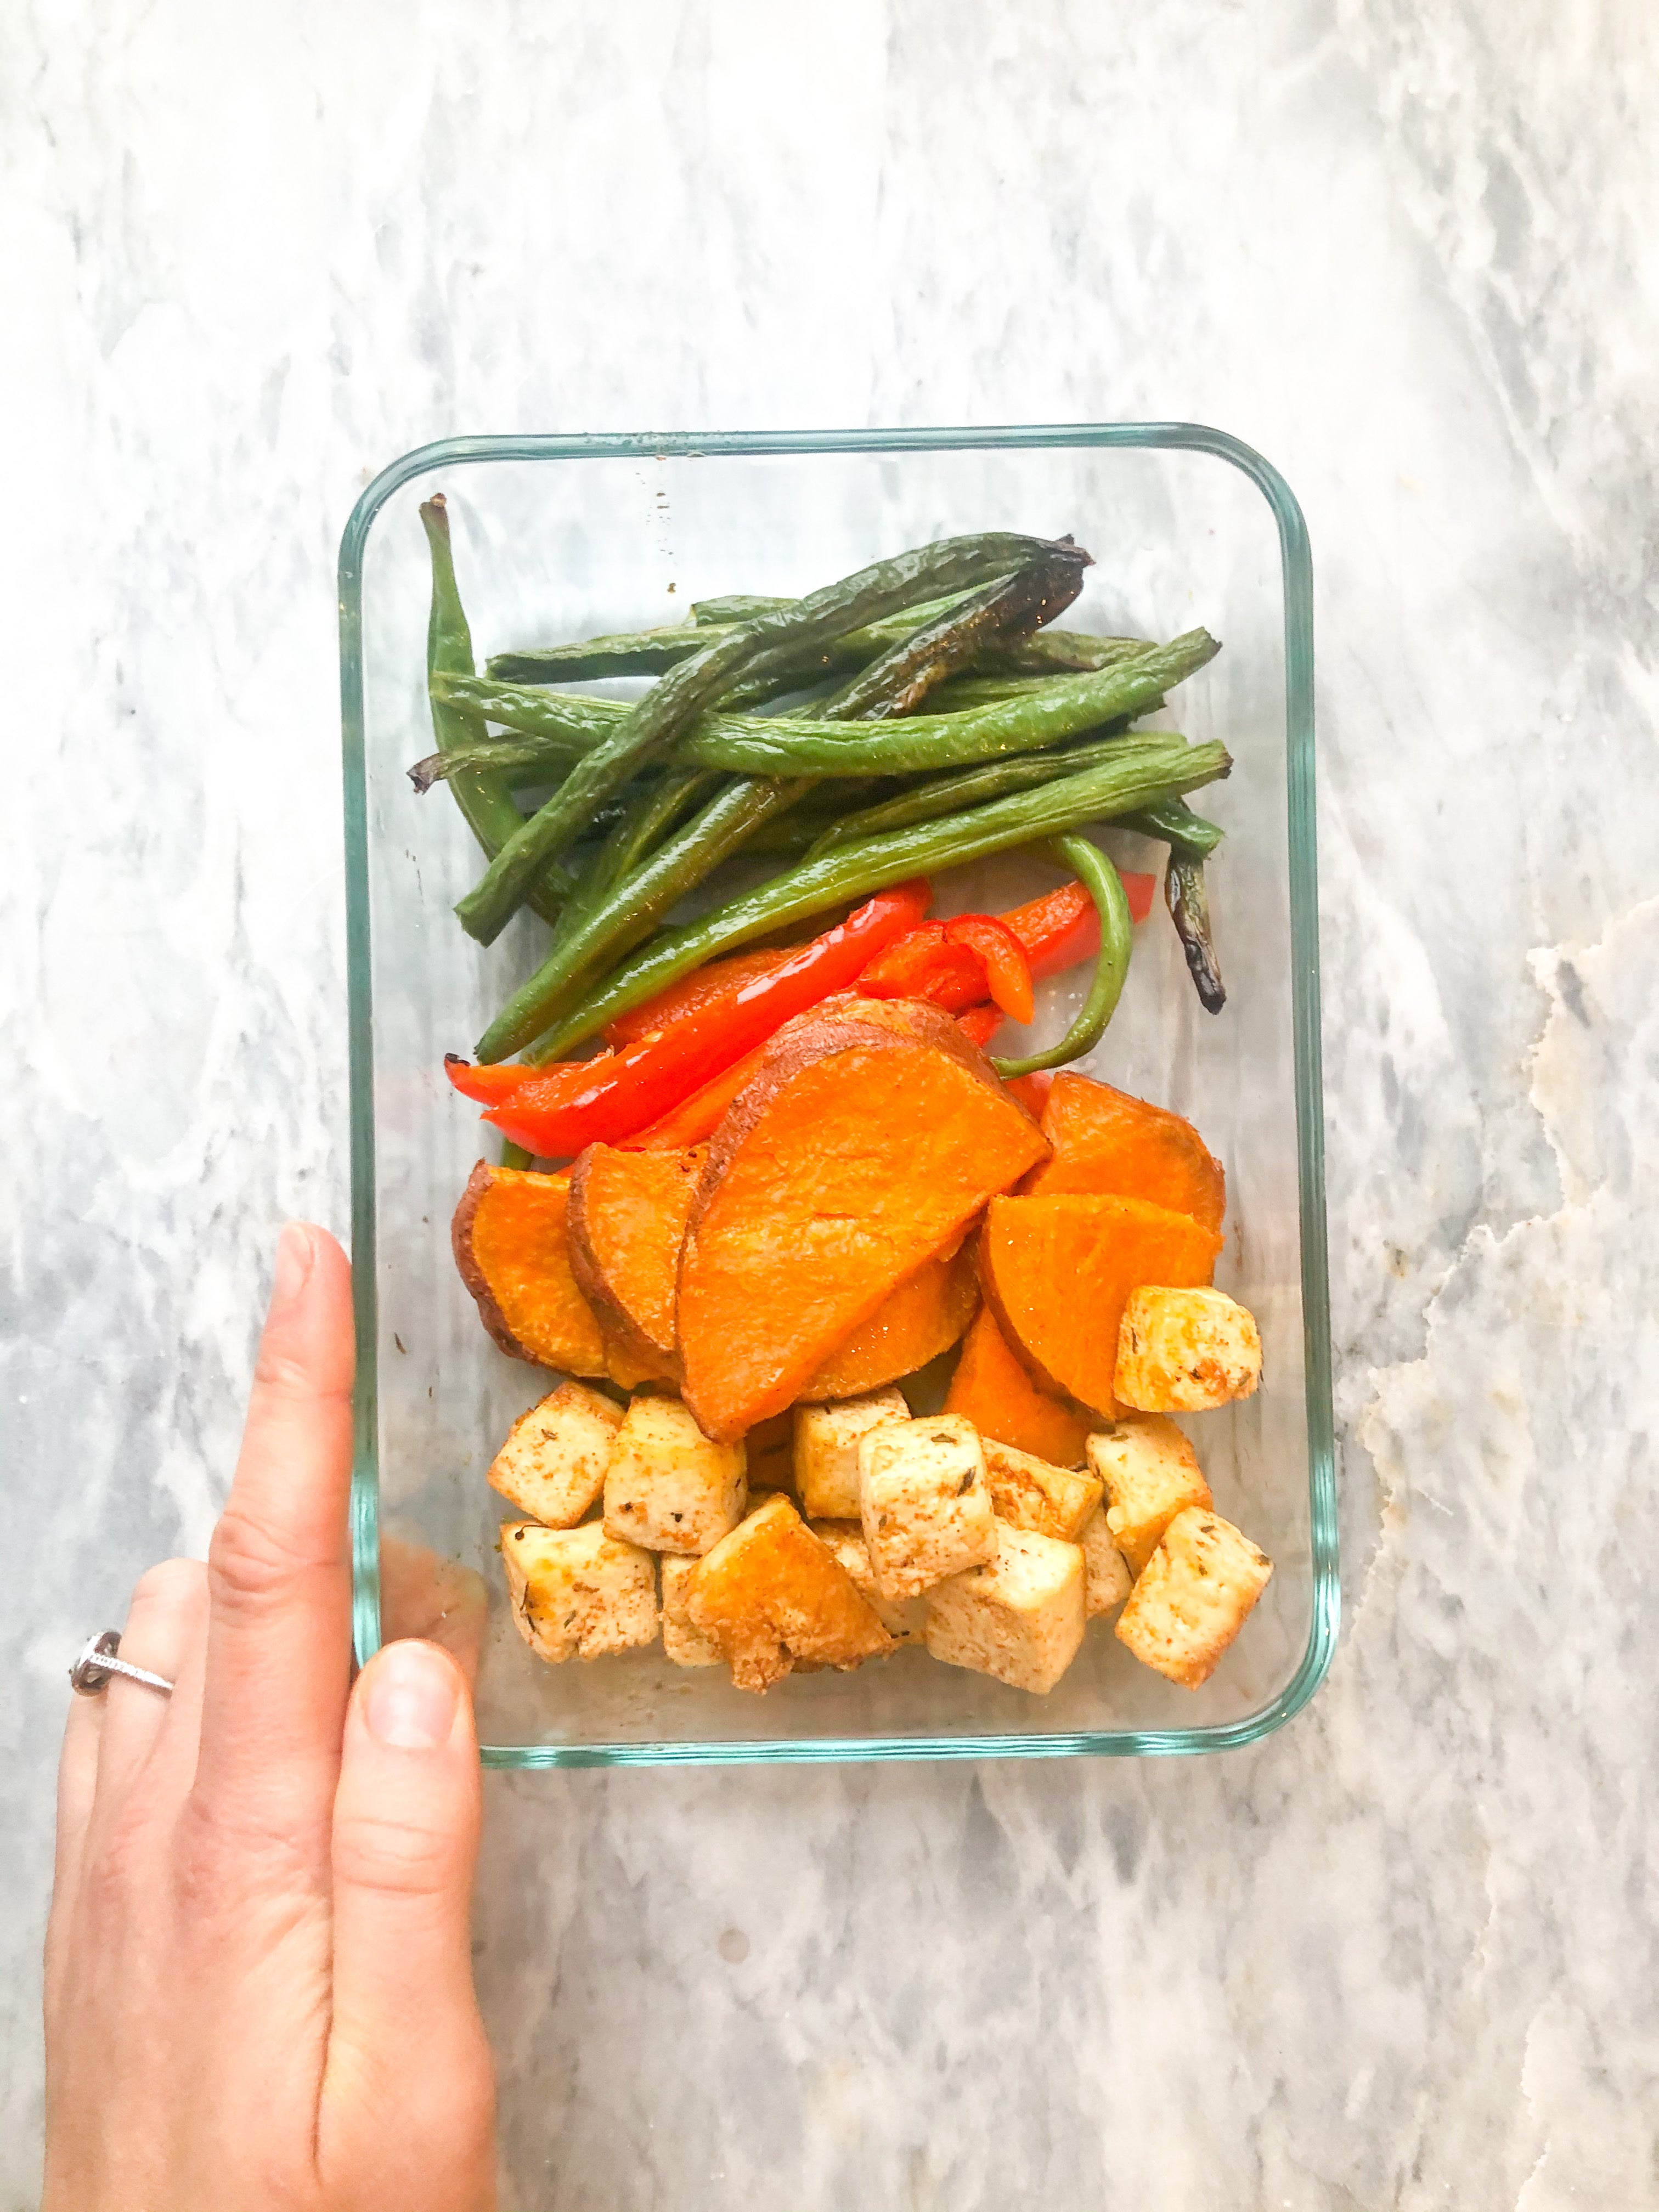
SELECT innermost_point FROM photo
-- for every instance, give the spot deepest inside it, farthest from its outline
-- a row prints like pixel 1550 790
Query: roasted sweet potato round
pixel 857 1153
pixel 1056 1271
pixel 992 1387
pixel 509 1235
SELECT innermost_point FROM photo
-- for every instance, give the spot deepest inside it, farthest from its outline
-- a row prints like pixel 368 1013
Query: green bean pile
pixel 1025 739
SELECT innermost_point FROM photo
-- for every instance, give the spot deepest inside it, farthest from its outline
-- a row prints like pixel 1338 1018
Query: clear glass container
pixel 561 537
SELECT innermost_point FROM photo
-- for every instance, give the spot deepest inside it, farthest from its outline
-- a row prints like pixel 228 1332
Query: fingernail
pixel 410 1699
pixel 293 1256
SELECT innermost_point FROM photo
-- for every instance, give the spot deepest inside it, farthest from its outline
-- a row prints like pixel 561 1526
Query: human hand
pixel 259 1985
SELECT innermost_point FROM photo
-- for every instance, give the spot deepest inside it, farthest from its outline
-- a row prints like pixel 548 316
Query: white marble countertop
pixel 1400 1954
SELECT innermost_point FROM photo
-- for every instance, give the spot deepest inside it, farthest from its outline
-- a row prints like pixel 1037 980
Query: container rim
pixel 1297 572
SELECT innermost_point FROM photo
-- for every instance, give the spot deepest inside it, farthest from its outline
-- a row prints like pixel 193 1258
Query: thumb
pixel 406 1817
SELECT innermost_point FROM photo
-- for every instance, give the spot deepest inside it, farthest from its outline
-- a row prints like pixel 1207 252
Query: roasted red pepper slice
pixel 559 1110
pixel 697 1118
pixel 925 965
pixel 1062 928
pixel 980 1025
pixel 1007 971
pixel 492 1083
pixel 486 1084
pixel 719 980
pixel 1032 1090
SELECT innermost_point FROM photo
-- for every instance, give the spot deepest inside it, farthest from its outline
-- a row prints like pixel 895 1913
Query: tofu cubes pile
pixel 842 1531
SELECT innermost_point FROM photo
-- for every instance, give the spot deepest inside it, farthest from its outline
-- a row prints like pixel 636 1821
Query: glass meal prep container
pixel 560 537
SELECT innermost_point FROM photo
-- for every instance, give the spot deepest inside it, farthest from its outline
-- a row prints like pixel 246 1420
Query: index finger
pixel 279 1567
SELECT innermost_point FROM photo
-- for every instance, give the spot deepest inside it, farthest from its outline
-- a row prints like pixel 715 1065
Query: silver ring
pixel 91 1671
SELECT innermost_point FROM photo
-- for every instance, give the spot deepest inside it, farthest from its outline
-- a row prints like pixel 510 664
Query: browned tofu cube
pixel 1021 1618
pixel 577 1593
pixel 770 1595
pixel 668 1487
pixel 1194 1596
pixel 682 1642
pixel 1150 1473
pixel 827 1440
pixel 1027 1492
pixel 1183 1351
pixel 552 1465
pixel 905 1618
pixel 924 1502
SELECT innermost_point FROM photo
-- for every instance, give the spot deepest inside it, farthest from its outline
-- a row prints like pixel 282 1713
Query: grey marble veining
pixel 1398 1955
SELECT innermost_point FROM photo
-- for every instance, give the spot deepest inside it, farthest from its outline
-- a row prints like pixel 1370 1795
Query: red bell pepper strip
pixel 486 1084
pixel 1007 971
pixel 561 1109
pixel 955 965
pixel 1032 1090
pixel 951 963
pixel 697 1118
pixel 493 1081
pixel 1063 927
pixel 924 964
pixel 980 1025
pixel 717 980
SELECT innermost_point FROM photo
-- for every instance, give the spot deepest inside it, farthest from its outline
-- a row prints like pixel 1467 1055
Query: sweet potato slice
pixel 509 1235
pixel 993 1389
pixel 628 1216
pixel 623 1364
pixel 1056 1272
pixel 1108 1143
pixel 924 1317
pixel 857 1153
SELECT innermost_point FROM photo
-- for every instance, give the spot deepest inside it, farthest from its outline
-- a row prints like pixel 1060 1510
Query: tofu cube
pixel 924 1502
pixel 668 1487
pixel 827 1440
pixel 1107 1578
pixel 1194 1596
pixel 686 1645
pixel 1181 1352
pixel 770 1596
pixel 905 1618
pixel 1020 1618
pixel 552 1465
pixel 1150 1473
pixel 577 1593
pixel 1027 1492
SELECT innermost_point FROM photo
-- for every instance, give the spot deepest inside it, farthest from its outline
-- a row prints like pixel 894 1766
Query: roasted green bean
pixel 1174 823
pixel 484 798
pixel 769 746
pixel 1189 911
pixel 720 829
pixel 778 744
pixel 1141 771
pixel 597 928
pixel 971 787
pixel 901 679
pixel 1059 652
pixel 649 651
pixel 737 606
pixel 654 811
pixel 630 653
pixel 1101 880
pixel 675 699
